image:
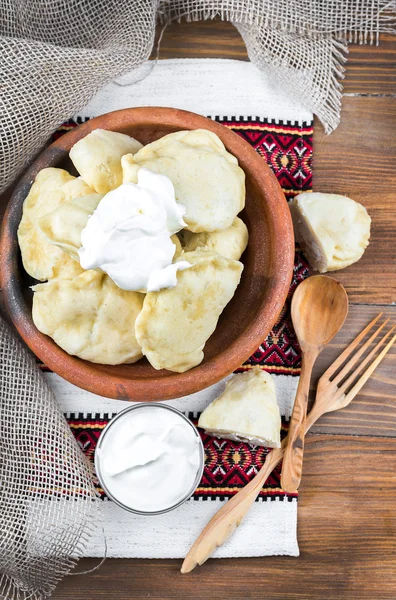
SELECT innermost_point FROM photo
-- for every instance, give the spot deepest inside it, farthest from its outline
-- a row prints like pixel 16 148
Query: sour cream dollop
pixel 149 458
pixel 129 234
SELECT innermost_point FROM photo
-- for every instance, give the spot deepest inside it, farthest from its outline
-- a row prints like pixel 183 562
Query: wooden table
pixel 347 504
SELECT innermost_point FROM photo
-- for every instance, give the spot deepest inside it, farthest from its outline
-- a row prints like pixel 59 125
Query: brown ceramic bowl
pixel 246 320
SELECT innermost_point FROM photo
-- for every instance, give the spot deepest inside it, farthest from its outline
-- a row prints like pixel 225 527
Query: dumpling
pixel 97 157
pixel 63 226
pixel 175 324
pixel 51 188
pixel 333 230
pixel 90 317
pixel 178 245
pixel 246 411
pixel 206 178
pixel 230 243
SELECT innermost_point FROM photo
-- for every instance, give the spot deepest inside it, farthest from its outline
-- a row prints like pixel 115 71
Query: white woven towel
pixel 210 87
pixel 269 528
pixel 214 88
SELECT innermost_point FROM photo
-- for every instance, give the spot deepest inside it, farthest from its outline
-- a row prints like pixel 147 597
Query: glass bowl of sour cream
pixel 149 459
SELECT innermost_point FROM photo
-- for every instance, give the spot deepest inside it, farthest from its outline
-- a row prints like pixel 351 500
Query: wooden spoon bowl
pixel 246 320
pixel 319 309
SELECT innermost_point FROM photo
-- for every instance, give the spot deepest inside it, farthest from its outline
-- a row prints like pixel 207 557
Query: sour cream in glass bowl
pixel 149 459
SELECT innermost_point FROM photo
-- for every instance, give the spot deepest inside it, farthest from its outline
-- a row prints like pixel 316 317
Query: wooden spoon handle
pixel 227 519
pixel 294 452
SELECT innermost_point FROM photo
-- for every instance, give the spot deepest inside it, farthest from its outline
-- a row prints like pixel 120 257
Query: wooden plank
pixel 201 39
pixel 346 533
pixel 357 160
pixel 373 411
pixel 370 69
pixel 358 157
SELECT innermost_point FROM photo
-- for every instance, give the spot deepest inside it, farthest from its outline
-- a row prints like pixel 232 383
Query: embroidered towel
pixel 240 97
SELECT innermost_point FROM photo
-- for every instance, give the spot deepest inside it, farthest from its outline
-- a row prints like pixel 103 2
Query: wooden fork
pixel 336 389
pixel 332 391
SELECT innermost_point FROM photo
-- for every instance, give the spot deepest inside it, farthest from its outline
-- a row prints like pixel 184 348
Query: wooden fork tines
pixel 349 372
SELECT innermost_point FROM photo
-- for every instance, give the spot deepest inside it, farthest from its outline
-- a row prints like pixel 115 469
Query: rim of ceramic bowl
pixel 87 375
pixel 105 431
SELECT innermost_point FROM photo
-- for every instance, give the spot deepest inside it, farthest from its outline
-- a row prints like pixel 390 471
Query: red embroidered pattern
pixel 286 147
pixel 229 466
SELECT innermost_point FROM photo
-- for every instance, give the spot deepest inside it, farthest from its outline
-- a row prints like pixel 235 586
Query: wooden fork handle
pixel 228 518
pixel 294 452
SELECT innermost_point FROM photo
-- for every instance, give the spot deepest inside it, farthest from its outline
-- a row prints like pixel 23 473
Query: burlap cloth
pixel 48 506
pixel 55 54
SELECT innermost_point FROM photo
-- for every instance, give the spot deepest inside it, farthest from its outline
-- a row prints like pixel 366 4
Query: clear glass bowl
pixel 122 414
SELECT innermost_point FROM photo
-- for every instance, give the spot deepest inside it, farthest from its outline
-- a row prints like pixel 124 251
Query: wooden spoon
pixel 319 308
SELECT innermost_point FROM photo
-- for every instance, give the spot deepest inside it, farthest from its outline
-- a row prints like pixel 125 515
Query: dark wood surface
pixel 346 532
pixel 347 509
pixel 358 160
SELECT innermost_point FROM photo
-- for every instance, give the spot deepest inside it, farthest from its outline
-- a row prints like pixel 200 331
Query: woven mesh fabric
pixel 350 20
pixel 56 54
pixel 48 505
pixel 313 72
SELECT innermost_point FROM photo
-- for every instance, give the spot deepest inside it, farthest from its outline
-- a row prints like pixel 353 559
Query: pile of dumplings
pixel 84 311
